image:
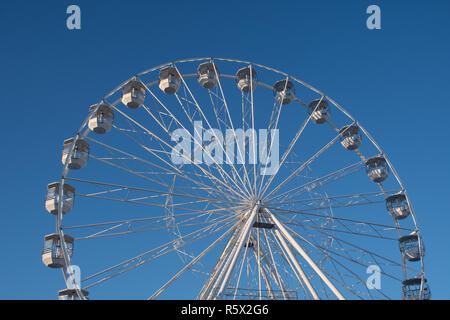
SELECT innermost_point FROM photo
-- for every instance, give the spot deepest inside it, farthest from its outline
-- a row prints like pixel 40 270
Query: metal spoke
pixel 295 234
pixel 199 167
pixel 150 255
pixel 334 176
pixel 190 265
pixel 293 142
pixel 302 167
pixel 305 256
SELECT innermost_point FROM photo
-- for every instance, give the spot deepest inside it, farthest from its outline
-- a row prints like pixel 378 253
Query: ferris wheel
pixel 216 178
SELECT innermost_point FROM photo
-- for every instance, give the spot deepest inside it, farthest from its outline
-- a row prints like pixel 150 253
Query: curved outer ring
pixel 79 135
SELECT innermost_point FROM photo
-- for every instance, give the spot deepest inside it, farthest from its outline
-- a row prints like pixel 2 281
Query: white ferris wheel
pixel 216 178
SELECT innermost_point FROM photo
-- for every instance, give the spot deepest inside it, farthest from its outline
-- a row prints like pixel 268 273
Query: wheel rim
pixel 241 190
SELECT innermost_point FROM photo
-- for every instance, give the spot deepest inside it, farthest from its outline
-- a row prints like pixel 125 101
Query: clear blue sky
pixel 394 81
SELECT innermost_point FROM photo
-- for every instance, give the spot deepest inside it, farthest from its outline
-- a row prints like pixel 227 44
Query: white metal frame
pixel 236 188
